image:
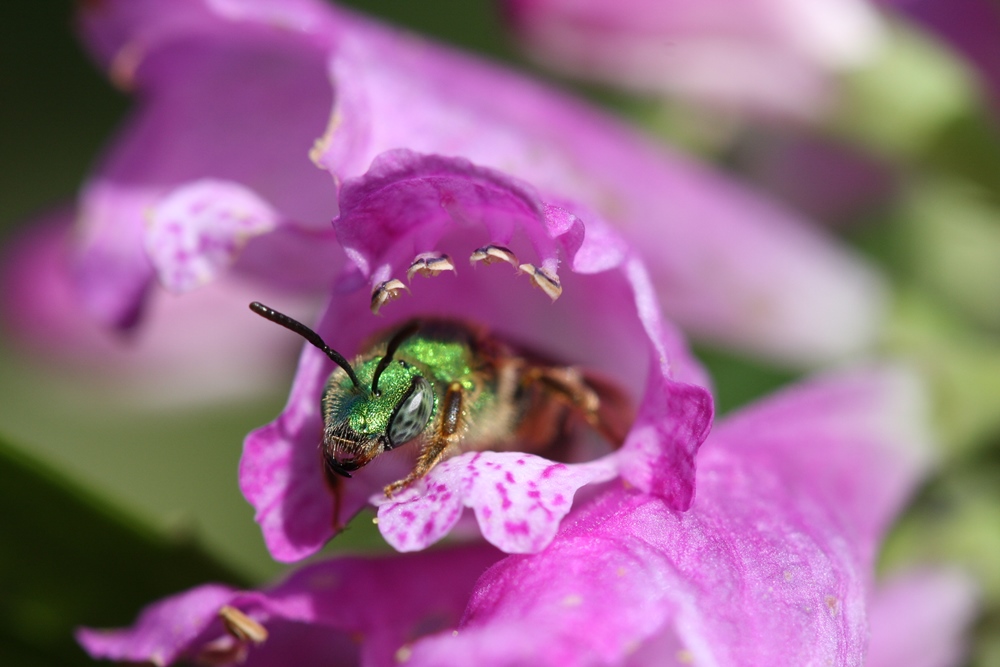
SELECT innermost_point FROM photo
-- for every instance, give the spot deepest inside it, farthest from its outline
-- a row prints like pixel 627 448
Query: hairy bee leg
pixel 605 408
pixel 334 483
pixel 570 385
pixel 434 450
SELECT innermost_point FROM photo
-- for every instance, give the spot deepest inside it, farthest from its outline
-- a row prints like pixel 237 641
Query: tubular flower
pixel 183 343
pixel 762 56
pixel 771 565
pixel 317 616
pixel 410 207
pixel 968 26
pixel 257 82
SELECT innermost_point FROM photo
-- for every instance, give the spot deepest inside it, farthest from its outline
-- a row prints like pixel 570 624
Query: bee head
pixel 369 410
pixel 361 423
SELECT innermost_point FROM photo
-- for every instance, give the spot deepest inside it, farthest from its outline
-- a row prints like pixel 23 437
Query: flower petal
pixel 865 430
pixel 317 616
pixel 405 203
pixel 919 619
pixel 674 419
pixel 969 26
pixel 198 230
pixel 281 475
pixel 228 95
pixel 182 355
pixel 411 207
pixel 770 566
pixel 705 237
pixel 163 632
pixel 757 56
pixel 518 499
pixel 816 301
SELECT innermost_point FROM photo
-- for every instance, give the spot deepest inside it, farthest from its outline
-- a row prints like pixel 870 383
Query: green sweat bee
pixel 452 387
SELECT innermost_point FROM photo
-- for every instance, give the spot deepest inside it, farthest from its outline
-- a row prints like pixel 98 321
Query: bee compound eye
pixel 412 413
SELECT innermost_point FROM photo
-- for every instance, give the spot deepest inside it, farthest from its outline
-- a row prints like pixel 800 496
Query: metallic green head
pixel 370 408
pixel 384 412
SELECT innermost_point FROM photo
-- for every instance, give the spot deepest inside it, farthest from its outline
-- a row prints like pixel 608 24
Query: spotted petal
pixel 771 566
pixel 198 231
pixel 518 500
pixel 228 93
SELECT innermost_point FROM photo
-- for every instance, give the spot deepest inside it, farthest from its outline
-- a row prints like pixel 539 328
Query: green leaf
pixel 68 560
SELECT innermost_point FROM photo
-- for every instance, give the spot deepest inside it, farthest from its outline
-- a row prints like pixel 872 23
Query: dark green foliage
pixel 67 560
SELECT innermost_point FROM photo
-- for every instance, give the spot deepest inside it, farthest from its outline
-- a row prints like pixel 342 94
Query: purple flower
pixel 212 160
pixel 408 208
pixel 184 354
pixel 213 164
pixel 969 26
pixel 347 611
pixel 772 565
pixel 763 56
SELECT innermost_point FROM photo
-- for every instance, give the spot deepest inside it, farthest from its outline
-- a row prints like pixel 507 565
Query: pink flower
pixel 409 207
pixel 760 57
pixel 212 161
pixel 213 164
pixel 772 565
pixel 189 349
pixel 315 617
pixel 968 26
pixel 763 56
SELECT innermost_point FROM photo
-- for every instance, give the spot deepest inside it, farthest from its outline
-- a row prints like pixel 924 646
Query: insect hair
pixel 390 350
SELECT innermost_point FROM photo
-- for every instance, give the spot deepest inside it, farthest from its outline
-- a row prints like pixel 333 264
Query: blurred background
pixel 113 496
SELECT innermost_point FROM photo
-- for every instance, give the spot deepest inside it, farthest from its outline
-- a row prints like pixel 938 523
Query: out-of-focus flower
pixel 835 183
pixel 408 207
pixel 969 26
pixel 231 95
pixel 772 565
pixel 188 350
pixel 761 56
pixel 349 611
pixel 906 630
pixel 224 118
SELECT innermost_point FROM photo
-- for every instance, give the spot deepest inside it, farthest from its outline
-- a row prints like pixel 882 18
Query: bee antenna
pixel 308 334
pixel 390 350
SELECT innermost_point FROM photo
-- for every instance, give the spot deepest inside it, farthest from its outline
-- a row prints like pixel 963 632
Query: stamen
pixel 545 280
pixel 241 626
pixel 386 292
pixel 490 254
pixel 430 264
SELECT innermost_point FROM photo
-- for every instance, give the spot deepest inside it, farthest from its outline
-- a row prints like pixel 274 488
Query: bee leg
pixel 600 403
pixel 446 435
pixel 568 384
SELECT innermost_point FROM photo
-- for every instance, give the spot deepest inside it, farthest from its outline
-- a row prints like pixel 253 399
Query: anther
pixel 543 279
pixel 386 292
pixel 490 254
pixel 241 626
pixel 429 264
